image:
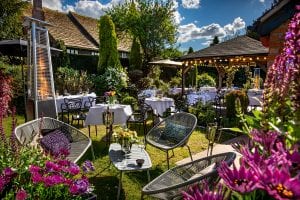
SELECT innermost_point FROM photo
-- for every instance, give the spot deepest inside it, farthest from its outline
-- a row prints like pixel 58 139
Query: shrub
pixel 230 99
pixel 175 81
pixel 145 83
pixel 129 100
pixel 205 113
pixel 206 80
pixel 135 75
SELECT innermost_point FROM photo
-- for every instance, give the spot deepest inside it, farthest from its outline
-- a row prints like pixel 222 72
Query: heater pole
pixel 34 64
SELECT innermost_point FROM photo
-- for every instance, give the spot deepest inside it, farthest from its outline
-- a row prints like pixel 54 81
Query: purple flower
pixel 64 162
pixel 52 167
pixel 2 183
pixel 34 169
pixel 202 192
pixel 21 194
pixel 53 180
pixel 74 169
pixel 267 139
pixel 79 186
pixel 88 166
pixel 241 180
pixel 36 177
pixel 280 185
pixel 8 172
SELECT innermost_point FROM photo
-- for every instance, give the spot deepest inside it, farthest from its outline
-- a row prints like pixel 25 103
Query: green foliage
pixel 145 83
pixel 72 80
pixel 129 100
pixel 63 59
pixel 191 50
pixel 192 77
pixel 230 100
pixel 215 41
pixel 205 113
pixel 206 80
pixel 135 59
pixel 230 72
pixel 113 78
pixel 10 19
pixel 172 52
pixel 108 52
pixel 175 81
pixel 150 21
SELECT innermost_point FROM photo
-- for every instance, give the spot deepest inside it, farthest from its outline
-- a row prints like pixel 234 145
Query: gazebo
pixel 241 51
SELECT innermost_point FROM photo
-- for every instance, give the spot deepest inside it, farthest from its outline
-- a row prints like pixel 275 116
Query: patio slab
pixel 219 148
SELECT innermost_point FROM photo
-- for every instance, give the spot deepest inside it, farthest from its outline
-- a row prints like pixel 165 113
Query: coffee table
pixel 127 162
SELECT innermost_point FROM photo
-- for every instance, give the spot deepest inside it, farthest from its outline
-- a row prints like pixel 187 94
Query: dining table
pixel 60 99
pixel 159 105
pixel 95 114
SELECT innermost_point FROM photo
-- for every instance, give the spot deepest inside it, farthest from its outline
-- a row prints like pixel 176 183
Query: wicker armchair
pixel 80 142
pixel 174 131
pixel 171 183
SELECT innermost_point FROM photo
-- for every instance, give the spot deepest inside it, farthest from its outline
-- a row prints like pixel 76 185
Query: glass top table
pixel 127 162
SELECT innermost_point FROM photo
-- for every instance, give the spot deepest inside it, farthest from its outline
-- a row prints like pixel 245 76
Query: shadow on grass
pixel 106 187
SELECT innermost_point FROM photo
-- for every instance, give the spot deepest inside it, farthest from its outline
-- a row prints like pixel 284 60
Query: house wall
pixel 276 41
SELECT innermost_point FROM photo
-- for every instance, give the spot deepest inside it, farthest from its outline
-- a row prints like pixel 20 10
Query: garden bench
pixel 80 143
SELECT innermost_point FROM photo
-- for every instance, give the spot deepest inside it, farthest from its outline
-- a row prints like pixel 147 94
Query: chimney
pixel 37 10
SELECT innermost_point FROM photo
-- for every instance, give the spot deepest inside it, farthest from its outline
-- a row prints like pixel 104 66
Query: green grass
pixel 106 177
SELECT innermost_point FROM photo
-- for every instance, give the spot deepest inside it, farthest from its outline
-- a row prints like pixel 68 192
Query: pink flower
pixel 79 186
pixel 74 169
pixel 34 169
pixel 36 178
pixel 21 194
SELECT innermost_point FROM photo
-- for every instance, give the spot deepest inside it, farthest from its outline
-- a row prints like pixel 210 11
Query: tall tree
pixel 191 50
pixel 151 21
pixel 135 58
pixel 215 41
pixel 108 52
pixel 10 18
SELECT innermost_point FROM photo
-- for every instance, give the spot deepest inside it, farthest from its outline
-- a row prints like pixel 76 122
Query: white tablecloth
pixel 205 97
pixel 95 116
pixel 60 99
pixel 255 97
pixel 208 89
pixel 159 105
pixel 148 93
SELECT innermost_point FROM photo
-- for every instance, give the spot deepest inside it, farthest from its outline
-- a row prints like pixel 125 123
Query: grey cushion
pixel 174 132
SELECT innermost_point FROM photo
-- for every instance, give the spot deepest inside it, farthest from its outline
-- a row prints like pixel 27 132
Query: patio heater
pixel 40 86
pixel 256 77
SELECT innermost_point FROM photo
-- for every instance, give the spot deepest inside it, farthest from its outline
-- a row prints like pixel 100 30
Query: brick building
pixel 273 24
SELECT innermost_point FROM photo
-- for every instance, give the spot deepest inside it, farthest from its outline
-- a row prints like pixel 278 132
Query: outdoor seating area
pixel 114 103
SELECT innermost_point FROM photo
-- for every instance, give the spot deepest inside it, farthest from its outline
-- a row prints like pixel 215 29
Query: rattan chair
pixel 171 183
pixel 174 131
pixel 80 142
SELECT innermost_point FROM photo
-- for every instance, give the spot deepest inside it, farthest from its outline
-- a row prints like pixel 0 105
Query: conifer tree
pixel 135 59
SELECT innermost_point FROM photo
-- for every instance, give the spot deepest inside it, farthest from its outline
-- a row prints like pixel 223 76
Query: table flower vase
pixel 126 146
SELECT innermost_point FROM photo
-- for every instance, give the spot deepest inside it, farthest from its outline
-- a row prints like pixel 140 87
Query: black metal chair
pixel 71 106
pixel 171 183
pixel 174 131
pixel 141 116
pixel 108 121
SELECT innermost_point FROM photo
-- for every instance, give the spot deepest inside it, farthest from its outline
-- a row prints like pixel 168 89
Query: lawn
pixel 106 177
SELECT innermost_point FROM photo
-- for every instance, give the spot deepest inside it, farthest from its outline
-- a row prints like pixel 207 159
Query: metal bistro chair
pixel 171 183
pixel 71 106
pixel 108 121
pixel 174 131
pixel 140 116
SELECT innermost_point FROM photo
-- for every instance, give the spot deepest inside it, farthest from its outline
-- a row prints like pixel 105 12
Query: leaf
pixel 234 129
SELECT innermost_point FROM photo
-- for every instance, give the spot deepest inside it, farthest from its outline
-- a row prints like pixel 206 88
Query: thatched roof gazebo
pixel 241 51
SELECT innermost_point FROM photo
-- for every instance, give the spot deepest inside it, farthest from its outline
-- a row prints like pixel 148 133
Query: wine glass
pixel 141 144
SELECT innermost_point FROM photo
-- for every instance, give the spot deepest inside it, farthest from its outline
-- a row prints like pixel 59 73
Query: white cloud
pixel 53 4
pixel 262 1
pixel 190 4
pixel 190 31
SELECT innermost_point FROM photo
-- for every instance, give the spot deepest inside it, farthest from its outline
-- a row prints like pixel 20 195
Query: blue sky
pixel 198 20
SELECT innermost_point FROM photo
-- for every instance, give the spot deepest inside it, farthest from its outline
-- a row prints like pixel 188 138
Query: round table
pixel 160 105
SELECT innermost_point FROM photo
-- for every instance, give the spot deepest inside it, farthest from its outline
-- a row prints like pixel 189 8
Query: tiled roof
pixel 76 30
pixel 241 45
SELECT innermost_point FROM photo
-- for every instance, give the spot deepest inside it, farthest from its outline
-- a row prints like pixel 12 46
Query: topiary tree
pixel 206 80
pixel 135 58
pixel 108 52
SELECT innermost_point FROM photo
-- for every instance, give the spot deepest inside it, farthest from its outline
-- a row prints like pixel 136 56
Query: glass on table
pixel 141 143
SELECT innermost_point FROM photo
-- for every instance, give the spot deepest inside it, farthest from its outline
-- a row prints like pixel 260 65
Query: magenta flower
pixel 64 163
pixel 8 172
pixel 267 139
pixel 34 169
pixel 202 192
pixel 241 180
pixel 79 186
pixel 53 180
pixel 36 177
pixel 2 183
pixel 52 167
pixel 74 169
pixel 280 185
pixel 21 195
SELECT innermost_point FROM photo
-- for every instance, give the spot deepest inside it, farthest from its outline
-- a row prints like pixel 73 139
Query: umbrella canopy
pixel 18 48
pixel 167 63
